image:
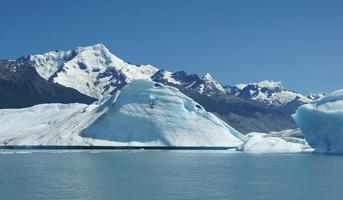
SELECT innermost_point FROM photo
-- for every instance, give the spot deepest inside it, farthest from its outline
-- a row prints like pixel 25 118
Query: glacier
pixel 143 113
pixel 322 123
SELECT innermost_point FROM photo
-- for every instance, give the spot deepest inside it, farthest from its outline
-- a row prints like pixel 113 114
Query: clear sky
pixel 299 42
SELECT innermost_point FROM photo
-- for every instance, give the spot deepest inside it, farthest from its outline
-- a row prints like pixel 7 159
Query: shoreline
pixel 77 147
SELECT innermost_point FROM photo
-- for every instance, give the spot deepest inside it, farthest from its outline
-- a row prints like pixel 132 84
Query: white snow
pixel 144 114
pixel 271 93
pixel 282 98
pixel 241 86
pixel 322 123
pixel 271 85
pixel 170 79
pixel 211 83
pixel 47 64
pixel 44 124
pixel 92 70
pixel 265 143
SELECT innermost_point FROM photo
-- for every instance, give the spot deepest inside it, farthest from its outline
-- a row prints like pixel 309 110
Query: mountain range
pixel 86 74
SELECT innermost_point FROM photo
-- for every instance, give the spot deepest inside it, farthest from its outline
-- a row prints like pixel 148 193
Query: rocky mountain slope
pixel 21 86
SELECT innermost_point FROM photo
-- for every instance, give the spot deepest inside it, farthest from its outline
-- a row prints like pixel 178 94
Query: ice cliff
pixel 322 123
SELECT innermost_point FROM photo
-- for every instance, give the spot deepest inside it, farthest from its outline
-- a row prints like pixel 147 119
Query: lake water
pixel 169 175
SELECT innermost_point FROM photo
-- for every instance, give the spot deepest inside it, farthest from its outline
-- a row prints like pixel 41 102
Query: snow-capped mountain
pixel 92 70
pixel 206 85
pixel 269 92
pixel 143 113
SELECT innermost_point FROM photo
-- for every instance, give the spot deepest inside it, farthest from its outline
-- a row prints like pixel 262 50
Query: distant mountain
pixel 244 114
pixel 93 70
pixel 271 93
pixel 21 86
pixel 205 85
pixel 85 74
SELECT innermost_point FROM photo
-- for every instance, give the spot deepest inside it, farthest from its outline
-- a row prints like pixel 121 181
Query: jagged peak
pixel 98 50
pixel 208 77
pixel 209 80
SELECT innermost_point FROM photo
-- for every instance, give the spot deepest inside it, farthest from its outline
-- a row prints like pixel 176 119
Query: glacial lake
pixel 164 175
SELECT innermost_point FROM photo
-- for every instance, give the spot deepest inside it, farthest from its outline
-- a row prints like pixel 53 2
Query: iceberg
pixel 270 143
pixel 154 114
pixel 322 123
pixel 143 113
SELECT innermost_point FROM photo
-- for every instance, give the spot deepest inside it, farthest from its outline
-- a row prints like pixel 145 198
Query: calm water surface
pixel 169 175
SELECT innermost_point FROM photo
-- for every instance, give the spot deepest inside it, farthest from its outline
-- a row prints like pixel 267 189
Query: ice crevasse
pixel 322 123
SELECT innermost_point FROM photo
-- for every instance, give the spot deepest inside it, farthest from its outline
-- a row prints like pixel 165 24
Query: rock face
pixel 322 123
pixel 21 86
pixel 144 114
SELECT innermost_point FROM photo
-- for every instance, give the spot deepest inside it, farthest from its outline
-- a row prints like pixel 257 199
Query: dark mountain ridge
pixel 21 86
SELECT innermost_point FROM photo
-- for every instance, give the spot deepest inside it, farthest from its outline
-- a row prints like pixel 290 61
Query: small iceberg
pixel 267 143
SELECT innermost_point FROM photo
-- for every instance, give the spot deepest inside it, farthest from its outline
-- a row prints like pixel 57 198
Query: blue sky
pixel 299 42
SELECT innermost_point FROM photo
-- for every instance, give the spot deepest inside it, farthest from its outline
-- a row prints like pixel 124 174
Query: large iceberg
pixel 155 114
pixel 144 113
pixel 322 123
